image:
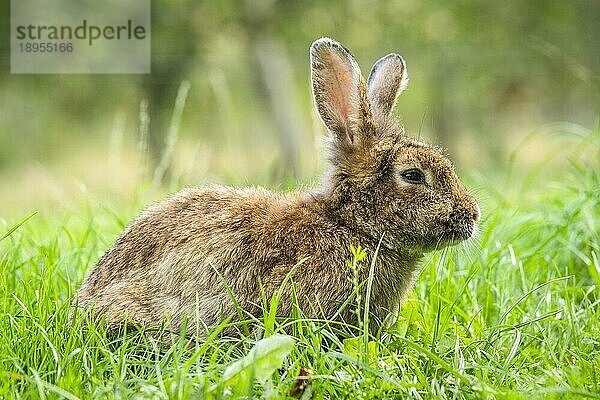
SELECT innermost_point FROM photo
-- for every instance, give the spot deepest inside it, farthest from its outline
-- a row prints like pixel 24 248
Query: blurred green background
pixel 486 78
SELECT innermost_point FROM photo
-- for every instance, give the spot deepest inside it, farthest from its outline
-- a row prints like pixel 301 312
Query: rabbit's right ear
pixel 340 91
pixel 388 78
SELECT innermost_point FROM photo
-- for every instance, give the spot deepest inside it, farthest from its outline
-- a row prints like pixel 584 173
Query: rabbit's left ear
pixel 340 92
pixel 388 78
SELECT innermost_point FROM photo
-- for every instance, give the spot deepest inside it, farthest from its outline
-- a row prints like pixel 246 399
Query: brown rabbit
pixel 193 254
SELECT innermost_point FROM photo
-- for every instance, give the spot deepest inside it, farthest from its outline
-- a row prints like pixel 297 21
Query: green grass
pixel 514 314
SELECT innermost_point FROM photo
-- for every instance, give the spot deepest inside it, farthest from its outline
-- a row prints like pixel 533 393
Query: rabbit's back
pixel 191 253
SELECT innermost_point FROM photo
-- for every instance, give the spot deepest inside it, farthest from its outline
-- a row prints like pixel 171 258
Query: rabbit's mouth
pixel 448 235
pixel 455 232
pixel 453 238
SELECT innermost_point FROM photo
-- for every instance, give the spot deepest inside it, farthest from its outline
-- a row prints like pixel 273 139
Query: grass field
pixel 514 314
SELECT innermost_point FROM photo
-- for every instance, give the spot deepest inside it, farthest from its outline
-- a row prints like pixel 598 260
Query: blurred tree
pixel 274 80
pixel 174 48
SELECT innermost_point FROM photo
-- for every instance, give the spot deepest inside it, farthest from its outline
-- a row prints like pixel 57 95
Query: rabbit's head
pixel 381 181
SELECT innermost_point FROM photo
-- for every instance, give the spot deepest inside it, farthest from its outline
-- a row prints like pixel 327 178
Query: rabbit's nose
pixel 472 207
pixel 476 213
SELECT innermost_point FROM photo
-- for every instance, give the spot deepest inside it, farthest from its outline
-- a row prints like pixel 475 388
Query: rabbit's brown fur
pixel 186 256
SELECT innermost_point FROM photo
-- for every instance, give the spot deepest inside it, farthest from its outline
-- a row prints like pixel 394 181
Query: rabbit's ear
pixel 340 91
pixel 388 78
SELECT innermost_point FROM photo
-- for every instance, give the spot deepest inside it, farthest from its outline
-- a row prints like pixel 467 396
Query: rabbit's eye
pixel 414 176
